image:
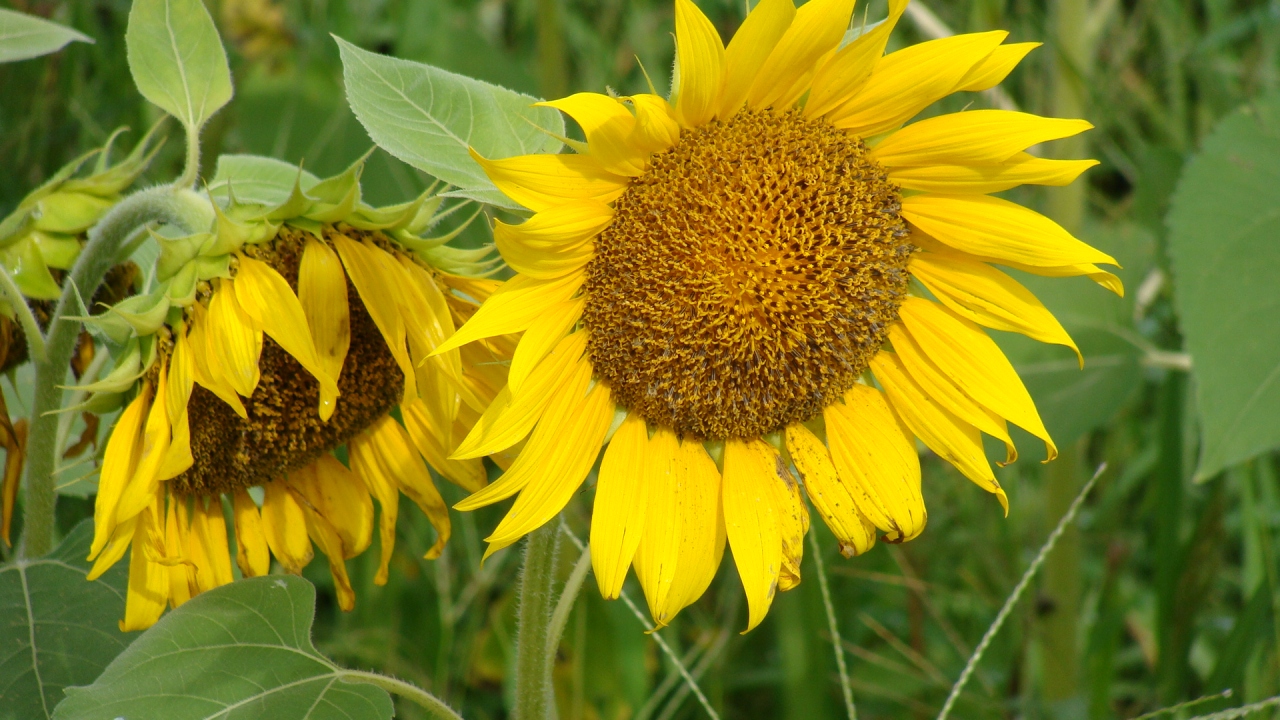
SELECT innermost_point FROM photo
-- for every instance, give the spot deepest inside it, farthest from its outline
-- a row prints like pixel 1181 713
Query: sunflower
pixel 768 281
pixel 284 335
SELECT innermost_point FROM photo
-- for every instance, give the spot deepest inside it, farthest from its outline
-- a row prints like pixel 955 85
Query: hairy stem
pixel 564 605
pixel 535 697
pixel 191 169
pixel 420 697
pixel 160 204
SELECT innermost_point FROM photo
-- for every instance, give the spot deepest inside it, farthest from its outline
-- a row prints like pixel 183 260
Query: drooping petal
pixel 793 522
pixel 514 415
pixel 618 516
pixel 181 378
pixel 322 292
pixel 996 67
pixel 340 498
pixel 284 524
pixel 989 227
pixel 514 307
pixel 876 462
pixel 124 448
pixel 140 491
pixel 209 532
pixel 541 182
pixel 320 530
pixel 930 69
pixel 366 272
pixel 752 521
pixel 252 552
pixel 400 462
pixel 366 464
pixel 988 297
pixel 699 65
pixel 427 434
pixel 1022 169
pixel 113 549
pixel 953 439
pixel 839 78
pixel 974 362
pixel 816 31
pixel 751 45
pixel 973 137
pixel 148 581
pixel 266 297
pixel 176 542
pixel 204 371
pixel 234 342
pixel 829 494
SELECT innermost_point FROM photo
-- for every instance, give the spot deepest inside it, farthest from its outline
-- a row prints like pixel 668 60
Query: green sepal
pixel 31 275
pixel 212 267
pixel 15 226
pixel 59 251
pixel 176 253
pixel 110 181
pixel 315 227
pixel 461 262
pixel 101 403
pixel 128 368
pixel 70 212
pixel 421 245
pixel 233 234
pixel 336 197
pixel 181 288
pixel 393 217
pixel 426 217
pixel 297 204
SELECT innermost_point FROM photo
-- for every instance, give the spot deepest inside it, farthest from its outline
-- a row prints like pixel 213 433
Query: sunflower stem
pixel 165 204
pixel 432 704
pixel 535 696
pixel 568 596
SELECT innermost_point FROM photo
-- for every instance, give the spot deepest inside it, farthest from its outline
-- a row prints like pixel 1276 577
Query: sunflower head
pixel 290 329
pixel 768 286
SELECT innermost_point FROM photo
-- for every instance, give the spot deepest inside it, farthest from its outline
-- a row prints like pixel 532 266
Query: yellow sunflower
pixel 287 333
pixel 733 284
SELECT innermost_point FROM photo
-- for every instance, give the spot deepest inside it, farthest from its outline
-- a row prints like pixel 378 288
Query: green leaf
pixel 1073 401
pixel 56 628
pixel 240 651
pixel 257 179
pixel 26 36
pixel 177 59
pixel 428 118
pixel 1224 223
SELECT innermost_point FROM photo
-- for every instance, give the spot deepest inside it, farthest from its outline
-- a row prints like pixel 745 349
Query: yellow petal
pixel 751 45
pixel 562 230
pixel 514 416
pixel 702 531
pixel 427 435
pixel 793 523
pixel 752 521
pixel 330 541
pixel 363 454
pixel 543 263
pixel 181 375
pixel 658 552
pixel 1107 280
pixel 209 531
pixel 541 182
pixel 514 307
pixel 876 462
pixel 699 65
pixel 974 362
pixel 953 439
pixel 204 371
pixel 936 384
pixel 176 542
pixel 541 337
pixel 985 295
pixel 140 491
pixel 252 553
pixel 608 126
pixel 545 442
pixel 973 137
pixel 322 292
pixel 816 31
pixel 340 498
pixel 992 228
pixel 366 272
pixel 656 126
pixel 400 461
pixel 840 77
pixel 996 67
pixel 285 526
pixel 1022 169
pixel 930 70
pixel 618 515
pixel 113 549
pixel 437 325
pixel 832 498
pixel 148 581
pixel 266 297
pixel 119 462
pixel 234 342
pixel 545 495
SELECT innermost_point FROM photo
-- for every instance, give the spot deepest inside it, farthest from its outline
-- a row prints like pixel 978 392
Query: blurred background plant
pixel 1166 590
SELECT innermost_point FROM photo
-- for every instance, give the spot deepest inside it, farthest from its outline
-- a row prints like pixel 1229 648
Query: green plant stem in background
pixel 420 697
pixel 1062 582
pixel 846 689
pixel 26 318
pixel 564 605
pixel 183 208
pixel 553 72
pixel 535 696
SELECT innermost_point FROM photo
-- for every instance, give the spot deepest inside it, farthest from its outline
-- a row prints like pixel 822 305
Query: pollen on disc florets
pixel 284 431
pixel 748 276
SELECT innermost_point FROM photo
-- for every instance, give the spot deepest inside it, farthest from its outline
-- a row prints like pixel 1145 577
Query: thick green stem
pixel 535 697
pixel 420 697
pixel 160 204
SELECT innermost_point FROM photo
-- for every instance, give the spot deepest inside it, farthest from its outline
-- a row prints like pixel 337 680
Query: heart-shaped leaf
pixel 177 59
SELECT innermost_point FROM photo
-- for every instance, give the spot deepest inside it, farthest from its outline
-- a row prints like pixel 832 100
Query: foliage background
pixel 1168 588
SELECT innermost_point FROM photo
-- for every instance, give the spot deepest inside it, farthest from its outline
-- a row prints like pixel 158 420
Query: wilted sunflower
pixel 284 333
pixel 722 288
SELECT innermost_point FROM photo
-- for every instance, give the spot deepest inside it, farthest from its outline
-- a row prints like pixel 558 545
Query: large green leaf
pixel 240 651
pixel 56 628
pixel 1224 224
pixel 177 59
pixel 26 36
pixel 1072 401
pixel 428 117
